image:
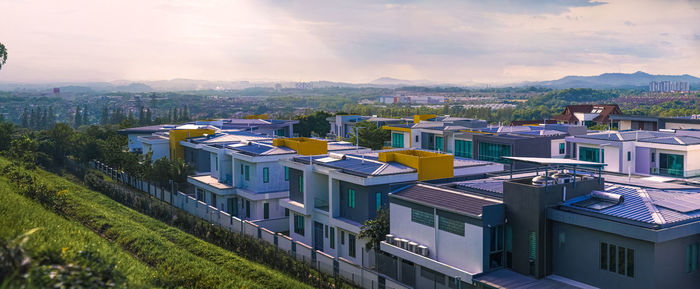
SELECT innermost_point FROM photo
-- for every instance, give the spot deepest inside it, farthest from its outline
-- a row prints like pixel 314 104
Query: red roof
pixel 603 110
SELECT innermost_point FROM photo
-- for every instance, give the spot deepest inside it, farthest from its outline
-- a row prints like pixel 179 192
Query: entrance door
pixel 318 236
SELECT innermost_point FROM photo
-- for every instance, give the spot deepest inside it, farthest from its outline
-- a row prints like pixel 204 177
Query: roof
pixel 229 137
pixel 443 198
pixel 649 207
pixel 555 161
pixel 260 149
pixel 147 129
pixel 676 140
pixel 489 185
pixel 603 110
pixel 628 135
pixel 356 164
pixel 505 278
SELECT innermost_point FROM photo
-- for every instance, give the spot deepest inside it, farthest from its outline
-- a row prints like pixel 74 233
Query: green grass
pixel 176 258
pixel 55 233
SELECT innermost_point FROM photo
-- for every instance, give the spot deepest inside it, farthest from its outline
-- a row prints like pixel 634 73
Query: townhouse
pixel 429 132
pixel 342 126
pixel 653 123
pixel 331 196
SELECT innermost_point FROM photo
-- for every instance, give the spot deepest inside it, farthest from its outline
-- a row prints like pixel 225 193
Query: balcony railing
pixel 674 173
pixel 321 204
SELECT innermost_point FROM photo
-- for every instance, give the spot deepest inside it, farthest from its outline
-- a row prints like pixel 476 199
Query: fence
pixel 338 267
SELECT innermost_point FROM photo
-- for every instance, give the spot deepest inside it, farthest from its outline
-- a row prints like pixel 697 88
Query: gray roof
pixel 489 185
pixel 354 164
pixel 629 135
pixel 678 140
pixel 444 198
pixel 505 278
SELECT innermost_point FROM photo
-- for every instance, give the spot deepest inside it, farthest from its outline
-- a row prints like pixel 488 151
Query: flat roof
pixel 555 161
pixel 444 198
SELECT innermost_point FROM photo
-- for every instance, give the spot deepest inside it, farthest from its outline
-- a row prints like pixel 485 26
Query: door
pixel 438 144
pixel 232 206
pixel 318 236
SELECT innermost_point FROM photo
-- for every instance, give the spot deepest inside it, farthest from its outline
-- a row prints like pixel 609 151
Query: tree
pixel 315 123
pixel 371 135
pixel 105 115
pixel 149 116
pixel 25 117
pixel 179 170
pixel 58 142
pixel 375 230
pixel 78 118
pixel 85 116
pixel 23 151
pixel 3 55
pixel 7 131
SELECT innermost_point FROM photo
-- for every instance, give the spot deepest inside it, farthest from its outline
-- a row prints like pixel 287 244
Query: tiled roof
pixel 679 140
pixel 452 200
pixel 629 135
pixel 489 185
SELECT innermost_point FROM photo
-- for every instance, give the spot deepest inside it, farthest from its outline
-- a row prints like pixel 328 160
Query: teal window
pixel 301 184
pixel 286 212
pixel 241 169
pixel 532 248
pixel 590 154
pixel 397 140
pixel 351 245
pixel 562 148
pixel 233 206
pixel 671 165
pixel 216 161
pixel 351 198
pixel 299 224
pixel 280 132
pixel 629 156
pixel 266 175
pixel 451 225
pixel 438 144
pixel 494 152
pixel 616 259
pixel 691 258
pixel 286 173
pixel 266 210
pixel 423 217
pixel 342 237
pixel 612 260
pixel 378 200
pixel 247 173
pixel 247 208
pixel 463 148
pixel 332 238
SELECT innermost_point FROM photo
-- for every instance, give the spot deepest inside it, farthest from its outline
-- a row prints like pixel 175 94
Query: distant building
pixel 417 99
pixel 588 114
pixel 669 86
pixel 304 85
pixel 639 122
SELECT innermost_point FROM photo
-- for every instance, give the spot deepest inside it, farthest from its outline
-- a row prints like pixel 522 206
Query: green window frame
pixel 351 198
pixel 351 246
pixel 463 148
pixel 266 175
pixel 332 238
pixel 439 144
pixel 286 173
pixel 247 173
pixel 532 246
pixel 299 224
pixel 266 210
pixel 450 225
pixel 494 152
pixel 562 148
pixel 378 200
pixel 691 258
pixel 423 217
pixel 397 140
pixel 590 154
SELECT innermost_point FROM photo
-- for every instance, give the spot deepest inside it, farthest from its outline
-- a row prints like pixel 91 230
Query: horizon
pixel 466 43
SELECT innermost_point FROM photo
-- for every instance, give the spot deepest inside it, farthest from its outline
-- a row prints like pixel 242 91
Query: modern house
pixel 641 152
pixel 588 114
pixel 429 132
pixel 342 126
pixel 331 196
pixel 653 123
pixel 166 143
pixel 134 133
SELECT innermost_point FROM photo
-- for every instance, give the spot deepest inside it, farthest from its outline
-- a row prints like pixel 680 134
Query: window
pixel 213 199
pixel 617 259
pixel 299 224
pixel 603 256
pixel 653 157
pixel 612 261
pixel 216 161
pixel 423 217
pixel 629 156
pixel 494 152
pixel 241 169
pixel 332 238
pixel 496 246
pixel 509 246
pixel 438 144
pixel 266 210
pixel 301 184
pixel 451 225
pixel 397 140
pixel 630 262
pixel 532 248
pixel 351 198
pixel 342 237
pixel 326 230
pixel 247 173
pixel 621 260
pixel 378 200
pixel 266 175
pixel 417 138
pixel 247 208
pixel 286 173
pixel 463 148
pixel 671 165
pixel 591 154
pixel 286 212
pixel 562 148
pixel 691 258
pixel 351 245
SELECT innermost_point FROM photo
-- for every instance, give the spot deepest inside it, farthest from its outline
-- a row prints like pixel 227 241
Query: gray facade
pixel 199 158
pixel 295 194
pixel 365 200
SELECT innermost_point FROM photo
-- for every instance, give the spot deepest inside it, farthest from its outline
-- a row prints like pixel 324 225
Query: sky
pixel 461 42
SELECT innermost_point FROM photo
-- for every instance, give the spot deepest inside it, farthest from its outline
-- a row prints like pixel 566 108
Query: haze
pixel 355 41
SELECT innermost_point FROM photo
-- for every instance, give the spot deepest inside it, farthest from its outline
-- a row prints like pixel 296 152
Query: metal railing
pixel 674 172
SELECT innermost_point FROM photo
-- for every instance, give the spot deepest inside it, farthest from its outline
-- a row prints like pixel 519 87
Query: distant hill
pixel 614 80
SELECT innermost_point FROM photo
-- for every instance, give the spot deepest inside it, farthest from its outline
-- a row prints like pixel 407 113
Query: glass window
pixel 301 184
pixel 629 156
pixel 494 152
pixel 266 210
pixel 630 262
pixel 286 212
pixel 351 198
pixel 266 175
pixel 653 157
pixel 603 256
pixel 423 217
pixel 397 140
pixel 216 161
pixel 332 238
pixel 438 144
pixel 378 200
pixel 286 173
pixel 342 237
pixel 532 248
pixel 691 258
pixel 351 245
pixel 326 230
pixel 589 154
pixel 247 173
pixel 463 148
pixel 299 224
pixel 241 169
pixel 562 148
pixel 621 260
pixel 451 225
pixel 671 164
pixel 247 208
pixel 612 264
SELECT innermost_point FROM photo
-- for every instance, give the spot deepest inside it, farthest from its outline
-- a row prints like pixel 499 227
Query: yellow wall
pixel 303 146
pixel 418 117
pixel 257 116
pixel 430 165
pixel 177 135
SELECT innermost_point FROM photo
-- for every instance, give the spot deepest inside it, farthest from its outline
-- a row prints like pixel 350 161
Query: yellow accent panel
pixel 257 116
pixel 418 117
pixel 430 165
pixel 404 129
pixel 177 135
pixel 303 146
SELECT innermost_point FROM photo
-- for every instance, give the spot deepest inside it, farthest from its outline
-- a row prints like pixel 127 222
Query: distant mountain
pixel 613 80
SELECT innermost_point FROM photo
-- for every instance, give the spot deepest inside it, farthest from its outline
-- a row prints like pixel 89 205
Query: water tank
pixel 542 181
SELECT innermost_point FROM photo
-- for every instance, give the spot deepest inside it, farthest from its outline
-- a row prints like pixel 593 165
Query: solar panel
pixel 679 205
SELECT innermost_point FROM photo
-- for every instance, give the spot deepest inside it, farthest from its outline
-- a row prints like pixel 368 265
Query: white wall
pixel 160 150
pixel 403 227
pixel 555 148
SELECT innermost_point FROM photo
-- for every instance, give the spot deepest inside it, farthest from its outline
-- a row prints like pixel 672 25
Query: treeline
pixel 38 118
pixel 144 117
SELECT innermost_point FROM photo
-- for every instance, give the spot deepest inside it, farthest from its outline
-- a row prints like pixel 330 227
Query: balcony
pixel 674 173
pixel 321 204
pixel 427 262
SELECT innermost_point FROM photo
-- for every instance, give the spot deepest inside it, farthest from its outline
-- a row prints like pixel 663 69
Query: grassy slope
pixel 20 214
pixel 179 259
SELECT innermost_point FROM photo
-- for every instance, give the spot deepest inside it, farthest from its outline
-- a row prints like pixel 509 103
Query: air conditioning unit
pixel 422 250
pixel 389 239
pixel 411 246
